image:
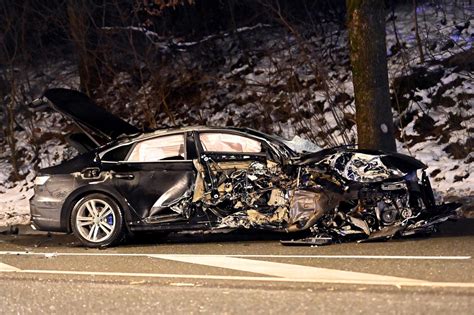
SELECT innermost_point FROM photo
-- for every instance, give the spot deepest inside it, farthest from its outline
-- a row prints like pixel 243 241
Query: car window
pixel 225 142
pixel 117 154
pixel 159 149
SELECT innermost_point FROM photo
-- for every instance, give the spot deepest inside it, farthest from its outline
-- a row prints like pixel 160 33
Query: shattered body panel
pixel 346 195
pixel 221 179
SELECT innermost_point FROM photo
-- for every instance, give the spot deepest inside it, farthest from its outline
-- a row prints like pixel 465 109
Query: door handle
pixel 125 176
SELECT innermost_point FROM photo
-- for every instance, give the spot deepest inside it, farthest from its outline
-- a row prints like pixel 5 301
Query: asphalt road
pixel 238 273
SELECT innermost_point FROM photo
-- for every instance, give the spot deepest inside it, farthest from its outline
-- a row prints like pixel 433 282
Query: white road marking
pixel 358 257
pixel 274 271
pixel 282 270
pixel 7 268
pixel 250 256
pixel 246 278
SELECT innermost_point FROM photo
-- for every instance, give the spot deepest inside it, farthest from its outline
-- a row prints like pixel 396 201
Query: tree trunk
pixel 82 33
pixel 366 23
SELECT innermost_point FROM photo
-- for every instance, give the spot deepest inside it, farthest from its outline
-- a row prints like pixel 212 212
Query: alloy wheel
pixel 96 220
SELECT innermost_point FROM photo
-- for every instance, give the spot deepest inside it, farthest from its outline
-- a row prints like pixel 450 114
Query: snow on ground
pixel 438 130
pixel 14 202
pixel 449 101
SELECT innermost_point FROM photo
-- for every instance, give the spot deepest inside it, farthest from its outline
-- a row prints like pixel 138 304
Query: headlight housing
pixel 41 180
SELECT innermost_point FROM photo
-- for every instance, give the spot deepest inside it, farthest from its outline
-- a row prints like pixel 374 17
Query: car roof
pixel 128 139
pixel 165 131
pixel 150 134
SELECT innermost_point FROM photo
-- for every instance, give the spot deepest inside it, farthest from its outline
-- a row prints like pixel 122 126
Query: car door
pixel 154 175
pixel 227 150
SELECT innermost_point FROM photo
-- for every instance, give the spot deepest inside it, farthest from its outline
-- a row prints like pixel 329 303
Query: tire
pixel 97 221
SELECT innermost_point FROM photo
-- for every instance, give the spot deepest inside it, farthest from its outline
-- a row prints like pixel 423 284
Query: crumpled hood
pixel 400 161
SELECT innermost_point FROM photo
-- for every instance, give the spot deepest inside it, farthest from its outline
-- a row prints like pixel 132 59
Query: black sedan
pixel 221 179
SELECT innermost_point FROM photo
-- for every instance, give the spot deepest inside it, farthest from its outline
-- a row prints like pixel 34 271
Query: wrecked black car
pixel 223 179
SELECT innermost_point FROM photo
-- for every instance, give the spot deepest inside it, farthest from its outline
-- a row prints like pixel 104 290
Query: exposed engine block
pixel 385 204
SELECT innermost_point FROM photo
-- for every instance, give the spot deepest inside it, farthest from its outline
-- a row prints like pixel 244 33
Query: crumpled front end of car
pixel 342 196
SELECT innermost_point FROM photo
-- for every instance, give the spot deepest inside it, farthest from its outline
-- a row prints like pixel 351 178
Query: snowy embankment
pixel 436 107
pixel 277 91
pixel 39 146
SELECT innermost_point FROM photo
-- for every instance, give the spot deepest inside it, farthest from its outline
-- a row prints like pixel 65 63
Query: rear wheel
pixel 97 221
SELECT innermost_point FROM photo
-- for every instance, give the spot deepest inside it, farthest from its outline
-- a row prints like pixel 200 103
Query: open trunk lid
pixel 96 123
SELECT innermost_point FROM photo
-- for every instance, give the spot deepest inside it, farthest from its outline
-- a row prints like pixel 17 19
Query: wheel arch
pixel 83 191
